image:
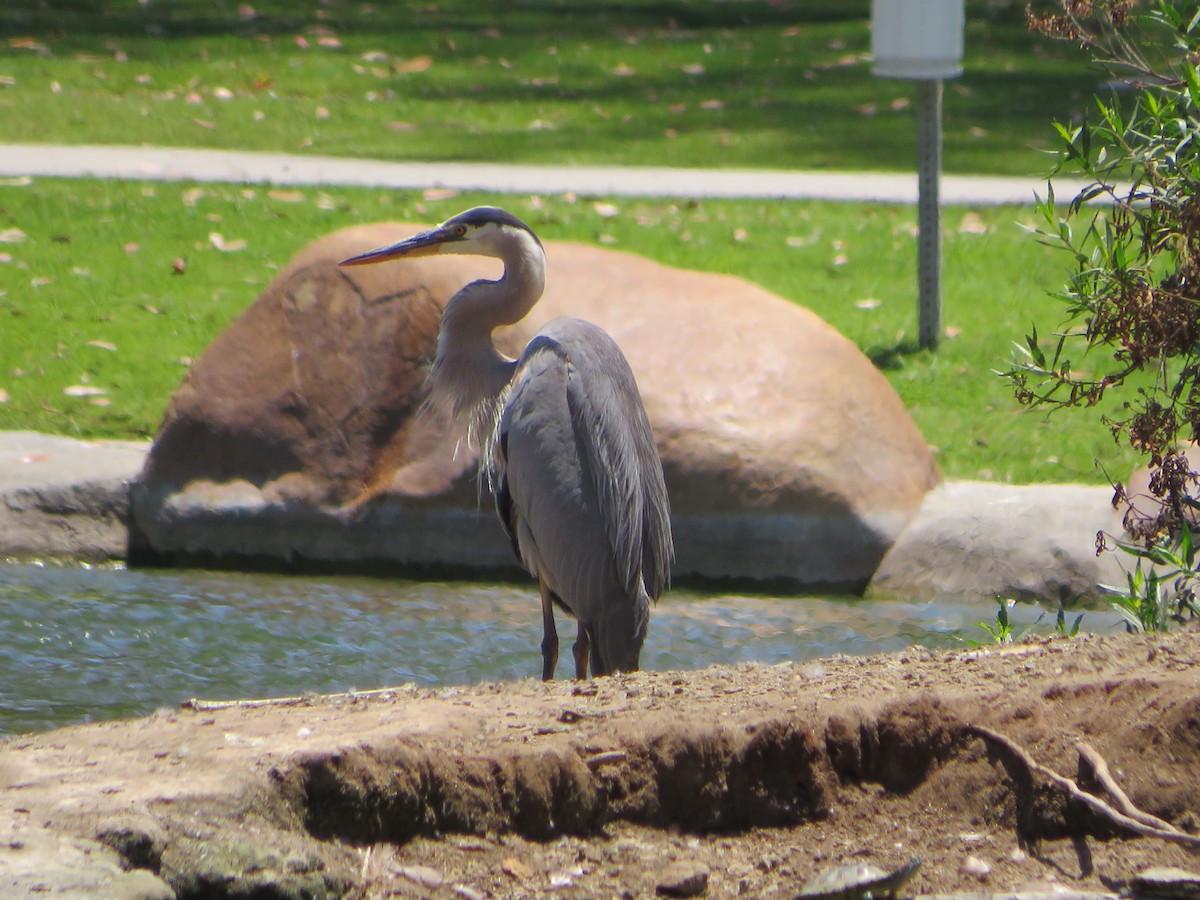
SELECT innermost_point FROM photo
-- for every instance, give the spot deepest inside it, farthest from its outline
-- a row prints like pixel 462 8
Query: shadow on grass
pixel 891 357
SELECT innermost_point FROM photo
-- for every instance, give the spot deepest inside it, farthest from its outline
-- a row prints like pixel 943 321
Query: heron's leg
pixel 549 634
pixel 582 649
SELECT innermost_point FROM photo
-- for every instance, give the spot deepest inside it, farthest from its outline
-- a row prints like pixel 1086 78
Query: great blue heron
pixel 567 444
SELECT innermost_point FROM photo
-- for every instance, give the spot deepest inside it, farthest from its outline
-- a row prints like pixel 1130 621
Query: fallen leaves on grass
pixel 103 345
pixel 3 396
pixel 12 236
pixel 84 390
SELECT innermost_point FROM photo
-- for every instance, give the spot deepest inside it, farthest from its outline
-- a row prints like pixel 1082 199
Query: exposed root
pixel 210 705
pixel 1094 761
pixel 1137 823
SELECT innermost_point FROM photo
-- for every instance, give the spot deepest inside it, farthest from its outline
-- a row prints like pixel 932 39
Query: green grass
pixel 97 265
pixel 754 83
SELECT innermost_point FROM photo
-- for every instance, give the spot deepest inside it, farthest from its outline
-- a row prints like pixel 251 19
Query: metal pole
pixel 929 211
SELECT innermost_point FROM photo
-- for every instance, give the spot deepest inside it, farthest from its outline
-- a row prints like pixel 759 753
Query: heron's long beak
pixel 427 243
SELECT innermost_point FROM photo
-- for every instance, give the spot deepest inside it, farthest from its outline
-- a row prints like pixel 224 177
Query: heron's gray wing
pixel 617 451
pixel 504 501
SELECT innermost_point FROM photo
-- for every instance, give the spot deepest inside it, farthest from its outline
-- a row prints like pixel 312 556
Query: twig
pixel 210 705
pixel 1091 801
pixel 1088 754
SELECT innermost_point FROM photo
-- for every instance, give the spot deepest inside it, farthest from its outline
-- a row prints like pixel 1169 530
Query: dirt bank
pixel 757 775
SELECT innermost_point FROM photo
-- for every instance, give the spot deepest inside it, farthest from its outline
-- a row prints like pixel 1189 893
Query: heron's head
pixel 482 231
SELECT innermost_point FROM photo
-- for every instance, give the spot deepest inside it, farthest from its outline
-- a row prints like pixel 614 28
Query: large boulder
pixel 300 432
pixel 975 540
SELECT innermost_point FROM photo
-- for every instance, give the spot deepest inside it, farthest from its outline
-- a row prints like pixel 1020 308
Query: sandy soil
pixel 742 781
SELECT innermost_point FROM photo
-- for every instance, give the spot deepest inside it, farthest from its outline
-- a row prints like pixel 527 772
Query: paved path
pixel 167 164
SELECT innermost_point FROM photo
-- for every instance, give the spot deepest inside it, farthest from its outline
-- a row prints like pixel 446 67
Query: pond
pixel 82 644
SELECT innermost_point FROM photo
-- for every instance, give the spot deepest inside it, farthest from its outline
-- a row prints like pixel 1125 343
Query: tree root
pixel 1128 817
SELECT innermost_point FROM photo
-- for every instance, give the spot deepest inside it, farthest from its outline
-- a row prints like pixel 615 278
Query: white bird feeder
pixel 922 40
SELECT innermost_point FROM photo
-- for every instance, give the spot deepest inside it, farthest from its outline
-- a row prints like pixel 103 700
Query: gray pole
pixel 929 211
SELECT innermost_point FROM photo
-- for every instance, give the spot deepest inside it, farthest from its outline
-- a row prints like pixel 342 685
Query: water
pixel 83 644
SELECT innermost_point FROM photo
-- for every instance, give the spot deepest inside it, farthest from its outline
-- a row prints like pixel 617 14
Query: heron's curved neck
pixel 469 373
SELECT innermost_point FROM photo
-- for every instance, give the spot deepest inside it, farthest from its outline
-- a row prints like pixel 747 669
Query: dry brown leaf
pixel 713 104
pixel 410 66
pixel 439 193
pixel 329 41
pixel 204 123
pixel 286 196
pixel 84 390
pixel 218 240
pixel 374 56
pixel 868 303
pixel 622 70
pixel 223 93
pixel 131 247
pixel 605 210
pixel 3 396
pixel 178 266
pixel 190 196
pixel 322 113
pixel 972 224
pixel 12 236
pixel 103 345
pixel 40 281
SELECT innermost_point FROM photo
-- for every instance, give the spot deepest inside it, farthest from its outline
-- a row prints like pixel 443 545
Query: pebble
pixel 683 879
pixel 423 876
pixel 974 867
pixel 515 868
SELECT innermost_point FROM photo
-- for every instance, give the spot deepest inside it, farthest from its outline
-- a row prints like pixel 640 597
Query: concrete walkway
pixel 171 164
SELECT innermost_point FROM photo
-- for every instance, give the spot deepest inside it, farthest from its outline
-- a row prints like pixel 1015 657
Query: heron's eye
pixel 460 230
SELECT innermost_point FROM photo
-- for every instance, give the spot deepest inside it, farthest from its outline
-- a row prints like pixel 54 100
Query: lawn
pixel 753 83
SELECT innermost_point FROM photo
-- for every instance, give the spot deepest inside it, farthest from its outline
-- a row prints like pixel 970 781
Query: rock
pixel 976 540
pixel 974 867
pixel 296 434
pixel 423 876
pixel 65 499
pixel 683 879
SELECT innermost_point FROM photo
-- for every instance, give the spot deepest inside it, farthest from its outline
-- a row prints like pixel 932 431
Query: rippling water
pixel 80 644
